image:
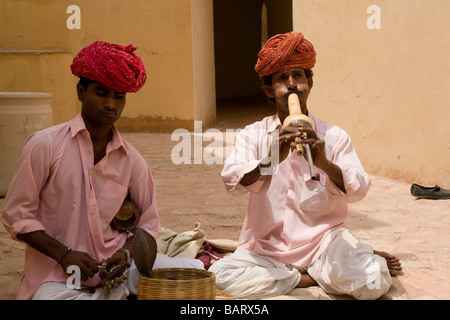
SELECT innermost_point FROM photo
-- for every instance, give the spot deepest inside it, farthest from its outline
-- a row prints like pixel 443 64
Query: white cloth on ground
pixel 347 266
pixel 60 291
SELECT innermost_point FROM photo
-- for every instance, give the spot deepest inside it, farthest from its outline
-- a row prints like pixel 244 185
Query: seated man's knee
pixel 374 289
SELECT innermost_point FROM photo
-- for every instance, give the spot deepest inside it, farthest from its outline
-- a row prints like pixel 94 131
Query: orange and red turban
pixel 113 65
pixel 283 52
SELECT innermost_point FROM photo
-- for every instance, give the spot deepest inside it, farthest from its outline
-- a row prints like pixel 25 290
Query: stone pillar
pixel 21 113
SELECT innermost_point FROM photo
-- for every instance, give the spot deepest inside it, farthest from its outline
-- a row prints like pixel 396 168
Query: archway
pixel 240 28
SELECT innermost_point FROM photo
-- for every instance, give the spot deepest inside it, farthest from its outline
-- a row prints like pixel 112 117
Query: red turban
pixel 112 65
pixel 283 52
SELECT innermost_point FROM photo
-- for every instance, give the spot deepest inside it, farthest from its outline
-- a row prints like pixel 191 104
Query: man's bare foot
pixel 306 281
pixel 393 262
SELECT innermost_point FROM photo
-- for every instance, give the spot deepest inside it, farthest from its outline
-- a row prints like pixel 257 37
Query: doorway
pixel 240 30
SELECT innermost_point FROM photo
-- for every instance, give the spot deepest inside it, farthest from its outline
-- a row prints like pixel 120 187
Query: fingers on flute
pixel 318 144
pixel 288 137
pixel 308 131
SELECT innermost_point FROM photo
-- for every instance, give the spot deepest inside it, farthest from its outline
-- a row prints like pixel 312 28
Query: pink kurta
pixel 289 215
pixel 58 189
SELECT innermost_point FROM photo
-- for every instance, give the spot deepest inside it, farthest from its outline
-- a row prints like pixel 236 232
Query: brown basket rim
pixel 155 288
pixel 207 275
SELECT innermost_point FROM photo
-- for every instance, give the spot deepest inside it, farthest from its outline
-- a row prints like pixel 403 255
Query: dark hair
pixel 267 81
pixel 85 82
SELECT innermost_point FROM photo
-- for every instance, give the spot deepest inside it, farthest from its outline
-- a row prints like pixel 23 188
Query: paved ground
pixel 389 218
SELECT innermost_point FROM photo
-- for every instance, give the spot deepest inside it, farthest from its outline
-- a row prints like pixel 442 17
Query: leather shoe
pixel 435 192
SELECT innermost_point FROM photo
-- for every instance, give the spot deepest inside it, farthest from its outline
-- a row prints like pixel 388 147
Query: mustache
pixel 294 90
pixel 109 109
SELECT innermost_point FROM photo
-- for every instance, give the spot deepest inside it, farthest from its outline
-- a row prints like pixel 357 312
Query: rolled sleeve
pixel 252 145
pixel 356 180
pixel 25 226
pixel 357 183
pixel 19 212
pixel 232 174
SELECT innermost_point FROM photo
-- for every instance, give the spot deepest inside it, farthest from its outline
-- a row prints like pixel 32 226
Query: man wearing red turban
pixel 293 234
pixel 283 52
pixel 113 65
pixel 73 178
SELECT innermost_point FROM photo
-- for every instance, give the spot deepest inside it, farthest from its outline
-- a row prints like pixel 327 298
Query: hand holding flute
pixel 297 118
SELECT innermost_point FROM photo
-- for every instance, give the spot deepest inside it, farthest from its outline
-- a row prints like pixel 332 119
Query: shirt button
pixel 92 194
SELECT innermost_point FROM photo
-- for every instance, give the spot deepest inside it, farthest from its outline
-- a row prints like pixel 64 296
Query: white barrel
pixel 21 113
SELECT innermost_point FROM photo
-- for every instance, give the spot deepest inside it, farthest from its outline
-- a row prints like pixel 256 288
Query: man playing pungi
pixel 293 234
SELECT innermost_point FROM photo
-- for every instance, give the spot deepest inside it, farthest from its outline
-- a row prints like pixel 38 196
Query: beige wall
pixel 169 42
pixel 388 88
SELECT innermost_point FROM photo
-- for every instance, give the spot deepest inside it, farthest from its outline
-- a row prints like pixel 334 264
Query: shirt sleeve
pixel 356 180
pixel 19 213
pixel 143 192
pixel 244 158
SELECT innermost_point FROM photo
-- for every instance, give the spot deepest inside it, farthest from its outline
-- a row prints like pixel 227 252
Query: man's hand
pixel 118 258
pixel 49 246
pixel 317 146
pixel 317 152
pixel 286 141
pixel 87 265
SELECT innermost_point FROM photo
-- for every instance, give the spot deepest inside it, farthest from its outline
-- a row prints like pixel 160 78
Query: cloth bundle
pixel 185 244
pixel 193 244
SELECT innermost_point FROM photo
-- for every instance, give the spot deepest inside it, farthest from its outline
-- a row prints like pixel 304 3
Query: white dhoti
pixel 346 266
pixel 60 291
pixel 350 267
pixel 245 274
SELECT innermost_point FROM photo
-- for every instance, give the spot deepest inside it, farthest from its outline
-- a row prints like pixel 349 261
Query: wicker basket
pixel 177 284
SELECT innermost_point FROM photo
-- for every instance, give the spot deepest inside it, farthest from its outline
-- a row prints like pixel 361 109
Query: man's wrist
pixel 326 166
pixel 63 255
pixel 127 253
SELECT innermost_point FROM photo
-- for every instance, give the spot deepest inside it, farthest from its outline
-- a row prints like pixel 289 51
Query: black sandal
pixel 435 192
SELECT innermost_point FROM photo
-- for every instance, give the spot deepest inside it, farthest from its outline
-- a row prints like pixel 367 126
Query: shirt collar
pixel 77 125
pixel 117 142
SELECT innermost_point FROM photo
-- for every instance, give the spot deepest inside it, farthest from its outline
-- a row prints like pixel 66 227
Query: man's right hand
pixel 286 141
pixel 88 265
pixel 51 247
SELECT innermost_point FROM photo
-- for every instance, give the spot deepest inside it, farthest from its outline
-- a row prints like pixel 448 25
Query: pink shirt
pixel 289 215
pixel 58 189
